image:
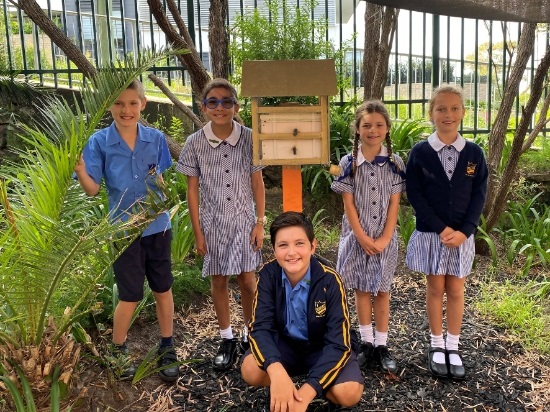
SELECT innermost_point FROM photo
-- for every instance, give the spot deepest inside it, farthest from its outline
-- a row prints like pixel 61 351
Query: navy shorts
pixel 146 257
pixel 298 360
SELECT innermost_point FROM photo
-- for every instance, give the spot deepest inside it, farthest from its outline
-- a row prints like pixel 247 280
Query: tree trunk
pixel 528 111
pixel 35 13
pixel 380 25
pixel 219 38
pixel 191 60
pixel 500 125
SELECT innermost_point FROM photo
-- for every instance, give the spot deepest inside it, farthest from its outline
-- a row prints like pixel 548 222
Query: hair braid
pixel 390 151
pixel 355 151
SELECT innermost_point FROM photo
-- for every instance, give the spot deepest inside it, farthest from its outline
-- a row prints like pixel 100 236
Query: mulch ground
pixel 501 375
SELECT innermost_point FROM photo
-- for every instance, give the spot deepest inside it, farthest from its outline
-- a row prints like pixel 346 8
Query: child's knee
pixel 219 283
pixel 347 394
pixel 251 373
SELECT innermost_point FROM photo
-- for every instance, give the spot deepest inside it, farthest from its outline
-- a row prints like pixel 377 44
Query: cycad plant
pixel 49 235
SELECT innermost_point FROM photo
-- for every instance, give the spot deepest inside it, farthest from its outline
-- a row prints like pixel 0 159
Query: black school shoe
pixel 226 356
pixel 167 355
pixel 120 362
pixel 365 355
pixel 384 359
pixel 438 370
pixel 457 372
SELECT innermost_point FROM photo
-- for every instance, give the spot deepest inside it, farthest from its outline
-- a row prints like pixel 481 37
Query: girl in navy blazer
pixel 446 186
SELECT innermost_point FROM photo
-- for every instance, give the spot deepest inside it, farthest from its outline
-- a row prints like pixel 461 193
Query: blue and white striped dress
pixel 425 251
pixel 226 211
pixel 371 187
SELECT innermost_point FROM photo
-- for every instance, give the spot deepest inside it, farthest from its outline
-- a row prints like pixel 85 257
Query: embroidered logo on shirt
pixel 152 169
pixel 471 169
pixel 320 309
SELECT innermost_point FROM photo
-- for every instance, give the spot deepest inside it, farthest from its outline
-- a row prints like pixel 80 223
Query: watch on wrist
pixel 261 221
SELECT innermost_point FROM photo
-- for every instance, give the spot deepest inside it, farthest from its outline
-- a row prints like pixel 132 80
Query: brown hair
pixel 288 219
pixel 446 88
pixel 218 83
pixel 370 106
pixel 138 87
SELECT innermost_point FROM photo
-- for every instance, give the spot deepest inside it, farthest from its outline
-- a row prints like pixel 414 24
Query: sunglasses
pixel 212 103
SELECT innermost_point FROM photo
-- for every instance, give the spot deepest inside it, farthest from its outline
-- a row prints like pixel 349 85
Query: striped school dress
pixel 372 186
pixel 226 210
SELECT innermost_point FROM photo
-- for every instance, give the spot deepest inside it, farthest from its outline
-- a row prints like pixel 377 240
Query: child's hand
pixel 282 389
pixel 80 166
pixel 200 244
pixel 446 232
pixel 455 239
pixel 368 245
pixel 257 237
pixel 307 394
pixel 381 243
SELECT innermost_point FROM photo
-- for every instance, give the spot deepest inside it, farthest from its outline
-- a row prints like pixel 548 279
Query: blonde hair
pixel 370 106
pixel 446 88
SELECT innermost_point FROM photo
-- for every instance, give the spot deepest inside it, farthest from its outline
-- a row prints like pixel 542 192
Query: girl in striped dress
pixel 229 233
pixel 446 186
pixel 371 181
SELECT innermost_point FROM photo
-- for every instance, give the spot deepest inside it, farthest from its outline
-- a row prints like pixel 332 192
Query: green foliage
pixel 149 366
pixel 520 309
pixel 536 159
pixel 405 134
pixel 49 236
pixel 526 232
pixel 406 222
pixel 484 236
pixel 188 281
pixel 285 32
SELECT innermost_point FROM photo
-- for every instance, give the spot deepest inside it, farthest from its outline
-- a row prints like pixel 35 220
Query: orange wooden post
pixel 292 188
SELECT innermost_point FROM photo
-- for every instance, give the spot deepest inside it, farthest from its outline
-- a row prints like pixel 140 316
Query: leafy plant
pixel 406 222
pixel 404 135
pixel 48 235
pixel 528 231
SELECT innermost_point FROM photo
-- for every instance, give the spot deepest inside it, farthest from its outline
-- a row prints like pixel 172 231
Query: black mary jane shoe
pixel 439 370
pixel 226 356
pixel 457 372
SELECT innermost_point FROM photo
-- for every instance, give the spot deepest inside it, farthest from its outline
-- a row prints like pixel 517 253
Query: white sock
pixel 438 342
pixel 245 334
pixel 367 333
pixel 380 338
pixel 452 344
pixel 226 333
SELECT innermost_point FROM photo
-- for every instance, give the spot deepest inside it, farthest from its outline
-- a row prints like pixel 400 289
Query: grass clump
pixel 520 309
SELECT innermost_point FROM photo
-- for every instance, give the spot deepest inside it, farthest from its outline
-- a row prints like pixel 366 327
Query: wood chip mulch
pixel 501 375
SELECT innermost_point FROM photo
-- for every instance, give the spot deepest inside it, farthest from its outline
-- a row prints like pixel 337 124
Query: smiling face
pixel 220 116
pixel 372 129
pixel 293 251
pixel 126 110
pixel 447 113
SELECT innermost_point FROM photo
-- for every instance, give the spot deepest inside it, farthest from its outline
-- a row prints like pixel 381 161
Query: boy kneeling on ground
pixel 300 325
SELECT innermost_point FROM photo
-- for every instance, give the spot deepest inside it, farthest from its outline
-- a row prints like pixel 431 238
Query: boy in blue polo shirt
pixel 130 158
pixel 300 325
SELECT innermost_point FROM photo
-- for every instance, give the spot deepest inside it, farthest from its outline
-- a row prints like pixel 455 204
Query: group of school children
pixel 296 317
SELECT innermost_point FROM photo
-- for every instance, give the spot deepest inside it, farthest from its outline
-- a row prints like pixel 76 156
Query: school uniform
pixel 372 187
pixel 128 175
pixel 322 348
pixel 446 186
pixel 226 212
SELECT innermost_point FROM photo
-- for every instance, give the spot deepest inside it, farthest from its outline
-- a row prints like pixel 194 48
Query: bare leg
pixel 247 287
pixel 434 302
pixel 252 374
pixel 363 306
pixel 220 295
pixel 345 394
pixel 382 311
pixel 165 312
pixel 122 319
pixel 455 303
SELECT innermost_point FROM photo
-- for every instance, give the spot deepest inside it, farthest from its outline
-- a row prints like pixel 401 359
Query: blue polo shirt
pixel 296 306
pixel 128 173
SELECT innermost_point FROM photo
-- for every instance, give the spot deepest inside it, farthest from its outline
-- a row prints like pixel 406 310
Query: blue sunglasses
pixel 212 103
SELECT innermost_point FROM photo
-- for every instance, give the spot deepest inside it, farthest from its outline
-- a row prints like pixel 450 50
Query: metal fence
pixel 426 51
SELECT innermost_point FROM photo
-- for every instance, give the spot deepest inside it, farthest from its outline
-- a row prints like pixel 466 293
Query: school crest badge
pixel 471 169
pixel 320 309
